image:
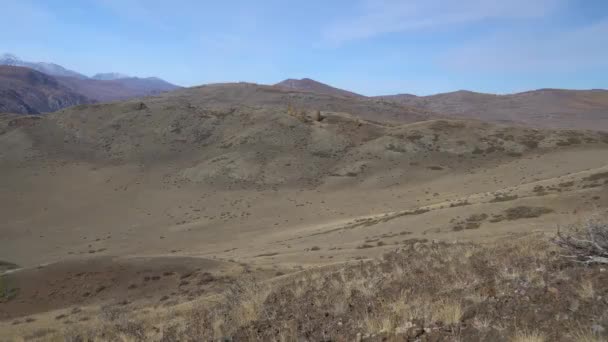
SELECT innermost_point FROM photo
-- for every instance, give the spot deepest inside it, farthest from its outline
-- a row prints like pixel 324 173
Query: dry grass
pixel 586 289
pixel 587 336
pixel 433 288
pixel 529 337
pixel 447 312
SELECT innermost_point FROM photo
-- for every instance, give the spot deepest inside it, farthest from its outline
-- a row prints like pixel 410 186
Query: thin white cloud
pixel 376 17
pixel 564 51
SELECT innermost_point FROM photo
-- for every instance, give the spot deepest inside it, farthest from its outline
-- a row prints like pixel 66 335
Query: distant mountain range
pixel 101 87
pixel 117 89
pixel 47 68
pixel 30 93
pixel 27 91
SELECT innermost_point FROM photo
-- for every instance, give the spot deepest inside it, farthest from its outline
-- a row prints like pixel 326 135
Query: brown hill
pixel 229 95
pixel 549 108
pixel 243 140
pixel 27 91
pixel 306 84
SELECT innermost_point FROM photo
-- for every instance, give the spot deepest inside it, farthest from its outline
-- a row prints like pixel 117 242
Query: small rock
pixel 415 333
pixel 574 304
pixel 553 290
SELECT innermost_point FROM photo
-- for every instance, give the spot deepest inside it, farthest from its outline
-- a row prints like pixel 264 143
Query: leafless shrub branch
pixel 587 243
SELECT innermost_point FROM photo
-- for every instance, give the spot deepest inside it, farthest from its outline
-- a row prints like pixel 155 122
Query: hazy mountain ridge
pixel 550 108
pixel 117 89
pixel 100 87
pixel 27 91
pixel 47 68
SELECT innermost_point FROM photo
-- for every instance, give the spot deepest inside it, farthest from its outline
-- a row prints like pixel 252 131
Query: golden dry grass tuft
pixel 529 337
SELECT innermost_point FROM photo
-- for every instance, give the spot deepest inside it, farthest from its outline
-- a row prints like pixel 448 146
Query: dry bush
pixel 245 301
pixel 586 243
pixel 526 212
pixel 448 312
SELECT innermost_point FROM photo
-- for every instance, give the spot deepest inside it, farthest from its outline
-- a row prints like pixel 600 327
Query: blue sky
pixel 371 47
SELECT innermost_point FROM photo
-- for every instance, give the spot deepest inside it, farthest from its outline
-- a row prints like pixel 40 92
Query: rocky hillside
pixel 306 84
pixel 250 134
pixel 26 91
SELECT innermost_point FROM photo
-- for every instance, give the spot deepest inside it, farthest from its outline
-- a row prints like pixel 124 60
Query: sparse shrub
pixel 394 148
pixel 448 312
pixel 503 198
pixel 514 154
pixel 7 292
pixel 587 243
pixel 477 150
pixel 477 217
pixel 472 222
pixel 5 266
pixel 525 212
pixel 414 137
pixel 597 176
pixel 459 204
pixel 245 300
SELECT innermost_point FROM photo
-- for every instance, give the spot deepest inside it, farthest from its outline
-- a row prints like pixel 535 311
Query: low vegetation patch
pixel 7 266
pixel 7 290
pixel 521 212
pixel 597 176
pixel 472 222
pixel 503 198
pixel 459 204
pixel 511 291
